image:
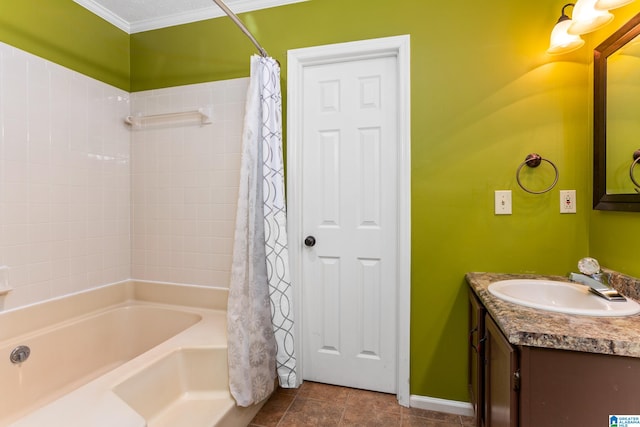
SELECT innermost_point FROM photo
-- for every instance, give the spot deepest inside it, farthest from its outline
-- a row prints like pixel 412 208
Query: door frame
pixel 297 60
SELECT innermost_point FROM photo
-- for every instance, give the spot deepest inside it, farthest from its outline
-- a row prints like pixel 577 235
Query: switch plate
pixel 567 201
pixel 503 202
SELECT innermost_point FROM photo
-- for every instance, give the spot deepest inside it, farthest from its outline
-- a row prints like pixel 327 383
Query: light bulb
pixel 563 42
pixel 586 18
pixel 611 4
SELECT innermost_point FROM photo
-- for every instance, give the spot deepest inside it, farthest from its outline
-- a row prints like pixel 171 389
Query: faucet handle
pixel 589 266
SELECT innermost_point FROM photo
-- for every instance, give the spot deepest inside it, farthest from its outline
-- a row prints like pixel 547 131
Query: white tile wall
pixel 86 201
pixel 64 180
pixel 185 184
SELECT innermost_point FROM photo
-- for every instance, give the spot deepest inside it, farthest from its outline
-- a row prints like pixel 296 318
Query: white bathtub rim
pixel 208 332
pixel 95 313
pixel 95 402
pixel 108 285
pixel 22 320
pixel 61 297
pixel 190 285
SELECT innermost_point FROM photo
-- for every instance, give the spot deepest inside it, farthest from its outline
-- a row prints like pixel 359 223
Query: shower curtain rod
pixel 240 25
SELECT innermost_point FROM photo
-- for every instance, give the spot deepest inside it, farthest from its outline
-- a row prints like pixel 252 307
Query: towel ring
pixel 636 160
pixel 533 160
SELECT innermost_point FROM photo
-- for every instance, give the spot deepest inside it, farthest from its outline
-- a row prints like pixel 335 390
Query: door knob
pixel 310 241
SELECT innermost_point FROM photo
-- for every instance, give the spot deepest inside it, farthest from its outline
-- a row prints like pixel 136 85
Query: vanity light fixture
pixel 611 4
pixel 561 41
pixel 586 18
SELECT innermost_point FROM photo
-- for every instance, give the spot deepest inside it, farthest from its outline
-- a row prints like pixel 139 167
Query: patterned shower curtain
pixel 259 312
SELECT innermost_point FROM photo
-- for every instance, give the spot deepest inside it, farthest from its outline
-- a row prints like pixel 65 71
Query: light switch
pixel 503 202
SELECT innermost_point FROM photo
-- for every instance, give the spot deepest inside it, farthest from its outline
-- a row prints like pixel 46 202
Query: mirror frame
pixel 602 200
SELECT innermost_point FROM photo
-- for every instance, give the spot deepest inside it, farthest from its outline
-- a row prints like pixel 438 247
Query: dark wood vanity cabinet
pixel 523 386
pixel 493 370
pixel 571 388
pixel 476 356
pixel 501 378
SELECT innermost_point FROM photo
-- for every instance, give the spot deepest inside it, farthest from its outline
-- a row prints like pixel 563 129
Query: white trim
pixel 106 14
pixel 297 60
pixel 442 405
pixel 178 18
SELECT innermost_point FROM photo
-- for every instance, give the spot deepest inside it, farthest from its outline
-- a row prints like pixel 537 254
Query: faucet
pixel 598 281
pixel 19 354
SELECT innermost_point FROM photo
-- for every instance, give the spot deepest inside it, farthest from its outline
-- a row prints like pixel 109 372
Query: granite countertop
pixel 538 328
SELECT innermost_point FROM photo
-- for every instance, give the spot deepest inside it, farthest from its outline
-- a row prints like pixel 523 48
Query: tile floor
pixel 323 405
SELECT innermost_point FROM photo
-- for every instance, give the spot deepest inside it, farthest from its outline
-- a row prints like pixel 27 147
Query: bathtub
pixel 130 354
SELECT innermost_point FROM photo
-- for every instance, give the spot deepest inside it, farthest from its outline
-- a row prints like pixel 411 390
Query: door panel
pixel 349 204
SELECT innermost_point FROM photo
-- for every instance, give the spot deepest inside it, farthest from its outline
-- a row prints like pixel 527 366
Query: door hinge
pixel 516 380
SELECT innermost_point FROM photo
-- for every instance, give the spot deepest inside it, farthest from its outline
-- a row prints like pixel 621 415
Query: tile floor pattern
pixel 322 405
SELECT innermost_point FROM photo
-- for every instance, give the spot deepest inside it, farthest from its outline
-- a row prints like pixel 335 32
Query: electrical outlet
pixel 567 201
pixel 503 202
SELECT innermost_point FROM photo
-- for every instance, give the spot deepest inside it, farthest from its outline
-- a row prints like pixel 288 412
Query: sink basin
pixel 562 297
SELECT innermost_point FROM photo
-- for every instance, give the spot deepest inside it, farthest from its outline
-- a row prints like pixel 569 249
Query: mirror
pixel 616 124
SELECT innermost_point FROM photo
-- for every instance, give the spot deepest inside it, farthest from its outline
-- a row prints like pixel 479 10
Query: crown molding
pixel 184 17
pixel 105 14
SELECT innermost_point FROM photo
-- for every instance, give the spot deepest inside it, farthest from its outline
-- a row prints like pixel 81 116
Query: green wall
pixel 66 33
pixel 484 95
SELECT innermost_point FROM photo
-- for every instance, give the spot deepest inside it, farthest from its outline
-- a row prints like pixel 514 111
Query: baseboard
pixel 441 405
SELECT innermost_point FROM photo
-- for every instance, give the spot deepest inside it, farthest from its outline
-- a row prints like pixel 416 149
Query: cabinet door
pixel 501 378
pixel 476 356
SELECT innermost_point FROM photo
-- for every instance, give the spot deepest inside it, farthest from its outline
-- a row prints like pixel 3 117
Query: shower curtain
pixel 259 312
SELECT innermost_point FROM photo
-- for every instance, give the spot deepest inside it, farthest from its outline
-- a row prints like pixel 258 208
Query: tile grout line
pixel 284 414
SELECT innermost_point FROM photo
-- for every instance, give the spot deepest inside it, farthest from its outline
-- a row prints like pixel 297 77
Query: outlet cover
pixel 503 202
pixel 567 201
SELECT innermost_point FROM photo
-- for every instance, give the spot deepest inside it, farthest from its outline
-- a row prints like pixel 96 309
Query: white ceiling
pixel 134 16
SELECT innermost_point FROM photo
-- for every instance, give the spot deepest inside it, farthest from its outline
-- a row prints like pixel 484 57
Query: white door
pixel 348 316
pixel 349 207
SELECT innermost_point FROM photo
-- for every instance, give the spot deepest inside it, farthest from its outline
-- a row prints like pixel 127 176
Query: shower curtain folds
pixel 259 313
